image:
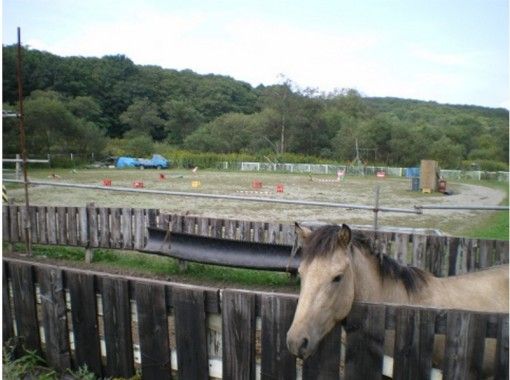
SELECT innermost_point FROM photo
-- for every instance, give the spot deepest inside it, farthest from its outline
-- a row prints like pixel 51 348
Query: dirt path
pixel 394 192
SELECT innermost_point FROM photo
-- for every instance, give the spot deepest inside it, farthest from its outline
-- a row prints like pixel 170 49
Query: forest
pixel 110 106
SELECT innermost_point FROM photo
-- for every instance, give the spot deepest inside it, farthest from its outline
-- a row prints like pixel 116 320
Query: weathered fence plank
pixel 230 229
pixel 259 232
pixel 245 230
pixel 25 310
pixel 501 252
pixel 365 327
pixel 84 226
pixel 61 225
pixel 273 233
pixel 32 216
pixel 53 306
pixel 127 229
pixel 92 225
pixel 115 227
pixel 104 227
pixel 436 255
pixel 85 324
pixel 152 217
pixel 117 327
pixel 51 224
pixel 276 361
pixel 5 224
pixel 72 220
pixel 501 365
pixel 176 223
pixel 453 253
pixel 189 223
pixel 42 225
pixel 216 228
pixel 153 330
pixel 190 333
pixel 24 220
pixel 14 226
pixel 238 327
pixel 456 364
pixel 287 234
pixel 139 228
pixel 400 251
pixel 476 345
pixel 164 221
pixel 414 344
pixel 419 250
pixel 324 364
pixel 7 321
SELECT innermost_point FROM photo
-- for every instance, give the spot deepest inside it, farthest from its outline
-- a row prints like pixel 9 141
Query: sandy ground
pixel 394 192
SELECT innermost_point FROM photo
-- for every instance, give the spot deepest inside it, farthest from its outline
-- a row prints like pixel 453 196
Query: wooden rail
pixel 126 228
pixel 75 317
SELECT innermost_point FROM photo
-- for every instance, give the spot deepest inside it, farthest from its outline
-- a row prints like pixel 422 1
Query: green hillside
pixel 109 105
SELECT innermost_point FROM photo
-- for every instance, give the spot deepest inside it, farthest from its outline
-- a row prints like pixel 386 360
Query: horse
pixel 339 267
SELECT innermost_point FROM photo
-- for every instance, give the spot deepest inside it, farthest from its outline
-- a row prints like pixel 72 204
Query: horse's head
pixel 327 286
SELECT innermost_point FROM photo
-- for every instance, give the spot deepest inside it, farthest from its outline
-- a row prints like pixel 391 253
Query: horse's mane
pixel 324 241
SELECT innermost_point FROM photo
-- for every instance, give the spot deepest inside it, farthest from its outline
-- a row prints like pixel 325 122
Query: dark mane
pixel 324 241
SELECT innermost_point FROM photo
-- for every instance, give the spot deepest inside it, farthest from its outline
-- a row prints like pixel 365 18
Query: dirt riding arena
pixel 394 192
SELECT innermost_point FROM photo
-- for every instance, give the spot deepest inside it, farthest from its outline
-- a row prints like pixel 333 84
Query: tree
pixel 138 145
pixel 281 99
pixel 52 128
pixel 447 153
pixel 182 120
pixel 85 107
pixel 143 118
pixel 228 133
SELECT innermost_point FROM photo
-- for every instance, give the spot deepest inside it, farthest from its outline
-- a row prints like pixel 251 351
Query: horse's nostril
pixel 302 348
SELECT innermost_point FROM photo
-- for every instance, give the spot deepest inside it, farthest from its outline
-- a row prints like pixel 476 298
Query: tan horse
pixel 339 267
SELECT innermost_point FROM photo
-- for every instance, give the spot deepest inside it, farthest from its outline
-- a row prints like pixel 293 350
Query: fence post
pixel 18 167
pixel 10 246
pixel 89 253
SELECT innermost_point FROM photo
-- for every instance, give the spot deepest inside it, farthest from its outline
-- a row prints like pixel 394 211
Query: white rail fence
pixel 328 169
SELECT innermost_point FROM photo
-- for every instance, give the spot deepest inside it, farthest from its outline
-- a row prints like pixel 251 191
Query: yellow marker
pixel 195 184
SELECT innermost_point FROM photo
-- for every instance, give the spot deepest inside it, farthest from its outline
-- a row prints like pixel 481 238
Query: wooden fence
pixel 75 317
pixel 126 228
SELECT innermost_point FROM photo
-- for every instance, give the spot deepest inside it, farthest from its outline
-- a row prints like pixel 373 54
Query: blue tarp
pixel 126 162
pixel 157 161
pixel 412 172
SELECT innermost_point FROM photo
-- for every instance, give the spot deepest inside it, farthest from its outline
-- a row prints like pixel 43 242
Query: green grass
pixel 495 225
pixel 166 267
pixel 19 363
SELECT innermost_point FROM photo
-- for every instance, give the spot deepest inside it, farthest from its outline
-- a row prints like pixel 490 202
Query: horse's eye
pixel 337 278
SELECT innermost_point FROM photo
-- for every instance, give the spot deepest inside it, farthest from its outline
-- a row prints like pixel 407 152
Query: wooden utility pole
pixel 22 143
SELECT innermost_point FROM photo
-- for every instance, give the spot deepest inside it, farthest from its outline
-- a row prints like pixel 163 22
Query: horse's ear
pixel 344 235
pixel 301 231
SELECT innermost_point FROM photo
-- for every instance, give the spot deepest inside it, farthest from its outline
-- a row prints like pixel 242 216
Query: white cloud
pixel 440 58
pixel 246 48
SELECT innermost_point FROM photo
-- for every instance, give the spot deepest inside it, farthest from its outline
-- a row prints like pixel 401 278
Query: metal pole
pixel 461 207
pixel 376 220
pixel 23 147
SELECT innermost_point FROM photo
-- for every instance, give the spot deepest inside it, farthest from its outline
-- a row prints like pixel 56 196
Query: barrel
pixel 415 183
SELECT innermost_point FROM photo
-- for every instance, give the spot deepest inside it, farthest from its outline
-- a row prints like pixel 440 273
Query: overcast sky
pixel 449 51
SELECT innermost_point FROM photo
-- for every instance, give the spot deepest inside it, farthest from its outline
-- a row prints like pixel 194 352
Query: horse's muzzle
pixel 299 346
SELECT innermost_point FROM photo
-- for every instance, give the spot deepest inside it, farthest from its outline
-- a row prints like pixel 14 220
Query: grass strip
pixel 165 266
